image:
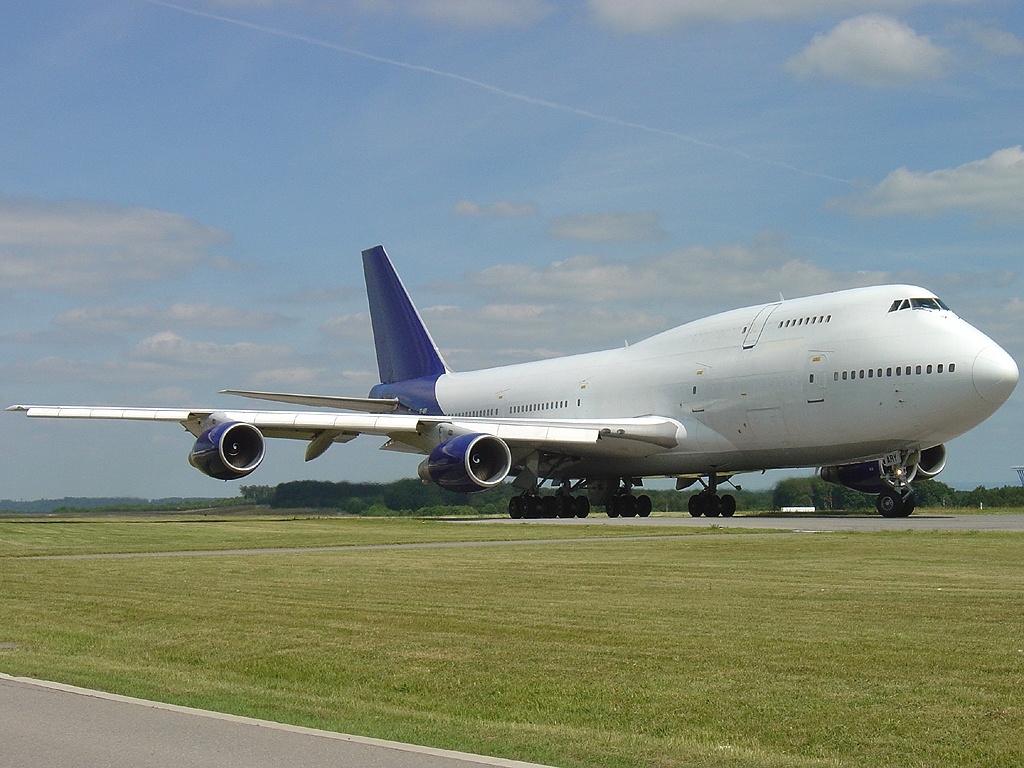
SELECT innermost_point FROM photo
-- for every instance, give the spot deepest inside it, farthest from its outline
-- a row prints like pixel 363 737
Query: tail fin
pixel 405 350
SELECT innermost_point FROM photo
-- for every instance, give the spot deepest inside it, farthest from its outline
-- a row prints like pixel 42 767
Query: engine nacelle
pixel 468 463
pixel 932 461
pixel 228 451
pixel 868 476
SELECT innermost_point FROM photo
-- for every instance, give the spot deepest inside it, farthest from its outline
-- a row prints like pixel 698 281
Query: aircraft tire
pixel 643 505
pixel 548 507
pixel 581 506
pixel 728 505
pixel 909 502
pixel 712 505
pixel 627 505
pixel 515 507
pixel 531 507
pixel 694 505
pixel 889 503
pixel 565 506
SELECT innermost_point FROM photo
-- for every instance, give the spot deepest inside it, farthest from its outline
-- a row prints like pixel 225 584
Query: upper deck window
pixel 926 303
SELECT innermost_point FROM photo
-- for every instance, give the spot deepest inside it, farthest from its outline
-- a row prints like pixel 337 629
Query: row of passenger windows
pixel 533 407
pixel 899 370
pixel 805 321
pixel 484 412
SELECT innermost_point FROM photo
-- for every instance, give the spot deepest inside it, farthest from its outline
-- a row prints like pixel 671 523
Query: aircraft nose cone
pixel 995 374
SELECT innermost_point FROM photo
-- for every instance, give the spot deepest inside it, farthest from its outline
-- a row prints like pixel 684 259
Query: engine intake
pixel 468 463
pixel 228 451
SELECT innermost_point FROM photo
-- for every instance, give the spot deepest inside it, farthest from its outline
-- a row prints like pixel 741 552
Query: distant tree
pixel 258 494
pixel 794 492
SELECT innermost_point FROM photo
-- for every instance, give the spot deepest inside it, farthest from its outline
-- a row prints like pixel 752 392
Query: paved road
pixel 923 522
pixel 48 725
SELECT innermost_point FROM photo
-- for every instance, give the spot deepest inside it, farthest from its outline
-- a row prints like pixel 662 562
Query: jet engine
pixel 468 463
pixel 869 476
pixel 228 451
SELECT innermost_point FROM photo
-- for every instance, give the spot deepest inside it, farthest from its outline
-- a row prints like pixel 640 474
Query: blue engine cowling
pixel 866 476
pixel 228 451
pixel 468 463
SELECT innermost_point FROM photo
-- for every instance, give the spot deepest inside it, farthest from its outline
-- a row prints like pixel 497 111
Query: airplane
pixel 866 384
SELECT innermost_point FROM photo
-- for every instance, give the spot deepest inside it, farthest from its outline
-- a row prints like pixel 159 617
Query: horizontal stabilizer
pixel 364 404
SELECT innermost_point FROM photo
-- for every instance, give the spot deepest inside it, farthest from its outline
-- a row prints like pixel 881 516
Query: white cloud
pixel 674 281
pixel 483 13
pixel 992 188
pixel 607 227
pixel 500 209
pixel 650 15
pixel 871 50
pixel 113 319
pixel 993 40
pixel 465 13
pixel 169 347
pixel 82 246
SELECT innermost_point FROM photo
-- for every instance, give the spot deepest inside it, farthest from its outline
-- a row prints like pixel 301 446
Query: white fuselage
pixel 827 379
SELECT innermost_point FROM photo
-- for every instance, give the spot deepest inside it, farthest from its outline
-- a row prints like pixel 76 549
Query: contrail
pixel 553 105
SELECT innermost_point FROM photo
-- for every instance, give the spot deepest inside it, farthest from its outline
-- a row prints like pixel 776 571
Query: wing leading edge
pixel 609 437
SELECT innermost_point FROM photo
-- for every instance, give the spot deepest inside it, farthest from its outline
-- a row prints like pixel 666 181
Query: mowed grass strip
pixel 43 536
pixel 795 650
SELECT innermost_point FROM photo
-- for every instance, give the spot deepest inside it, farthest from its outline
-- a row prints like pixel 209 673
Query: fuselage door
pixel 757 325
pixel 814 383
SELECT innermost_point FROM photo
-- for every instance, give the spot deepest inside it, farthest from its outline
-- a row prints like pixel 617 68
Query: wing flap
pixel 366 404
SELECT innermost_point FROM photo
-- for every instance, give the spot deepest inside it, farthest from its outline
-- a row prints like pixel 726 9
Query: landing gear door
pixel 757 325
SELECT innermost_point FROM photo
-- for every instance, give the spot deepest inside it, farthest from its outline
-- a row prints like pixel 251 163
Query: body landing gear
pixel 708 503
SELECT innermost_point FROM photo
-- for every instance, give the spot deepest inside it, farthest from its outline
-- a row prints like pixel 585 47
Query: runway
pixel 49 725
pixel 866 523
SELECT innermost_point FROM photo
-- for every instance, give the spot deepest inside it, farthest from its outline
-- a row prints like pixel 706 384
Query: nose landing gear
pixel 897 471
pixel 894 503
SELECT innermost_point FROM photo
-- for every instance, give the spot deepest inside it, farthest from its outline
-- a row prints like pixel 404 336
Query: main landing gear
pixel 708 503
pixel 531 506
pixel 625 504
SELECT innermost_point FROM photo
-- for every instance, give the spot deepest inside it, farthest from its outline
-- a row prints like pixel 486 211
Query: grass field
pixel 891 649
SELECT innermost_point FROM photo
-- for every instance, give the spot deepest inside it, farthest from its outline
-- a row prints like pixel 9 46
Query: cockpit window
pixel 927 303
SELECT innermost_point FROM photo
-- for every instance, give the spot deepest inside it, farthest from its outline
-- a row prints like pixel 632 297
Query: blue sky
pixel 185 189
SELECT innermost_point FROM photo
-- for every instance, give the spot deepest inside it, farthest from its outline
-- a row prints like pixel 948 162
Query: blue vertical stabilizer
pixel 407 357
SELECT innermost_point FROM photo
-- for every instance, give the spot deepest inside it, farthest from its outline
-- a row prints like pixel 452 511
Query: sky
pixel 185 189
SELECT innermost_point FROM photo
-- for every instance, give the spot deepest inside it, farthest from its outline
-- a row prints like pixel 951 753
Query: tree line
pixel 413 497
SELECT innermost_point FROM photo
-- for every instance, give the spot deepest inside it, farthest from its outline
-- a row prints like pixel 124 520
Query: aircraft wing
pixel 414 433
